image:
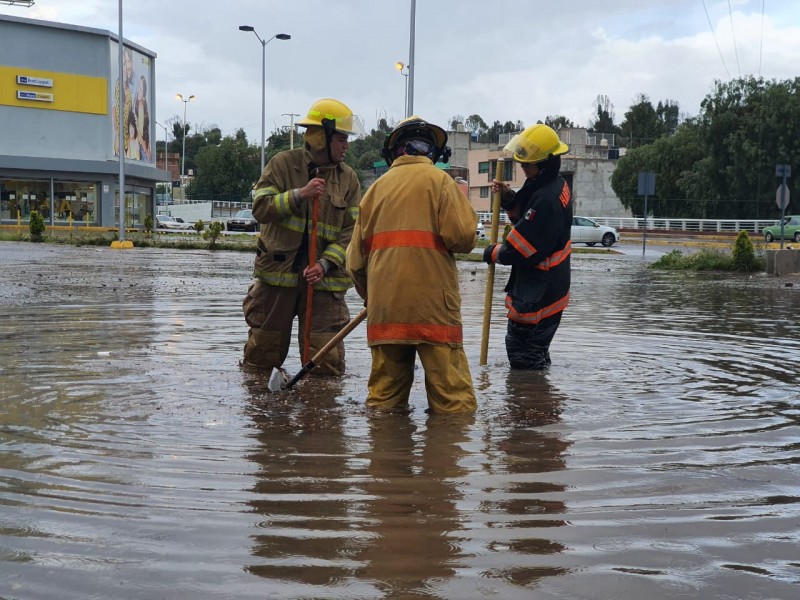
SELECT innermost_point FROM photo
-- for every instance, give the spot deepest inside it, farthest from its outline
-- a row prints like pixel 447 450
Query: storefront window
pixel 136 202
pixel 75 200
pixel 18 197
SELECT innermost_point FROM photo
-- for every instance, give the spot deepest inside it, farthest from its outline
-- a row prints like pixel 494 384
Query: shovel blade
pixel 278 380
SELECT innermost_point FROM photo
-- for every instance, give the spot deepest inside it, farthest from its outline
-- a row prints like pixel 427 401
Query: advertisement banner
pixel 137 127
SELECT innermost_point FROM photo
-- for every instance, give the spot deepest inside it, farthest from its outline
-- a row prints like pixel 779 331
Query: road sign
pixel 782 196
pixel 647 183
pixel 783 170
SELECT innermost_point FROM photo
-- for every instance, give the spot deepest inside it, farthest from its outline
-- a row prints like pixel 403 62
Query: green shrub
pixel 744 255
pixel 199 226
pixel 148 223
pixel 213 232
pixel 36 226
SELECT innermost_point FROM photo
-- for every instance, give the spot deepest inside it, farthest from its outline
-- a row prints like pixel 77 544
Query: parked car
pixel 170 223
pixel 586 231
pixel 791 229
pixel 242 221
pixel 480 231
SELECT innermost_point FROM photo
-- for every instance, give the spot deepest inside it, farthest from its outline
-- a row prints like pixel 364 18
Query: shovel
pixel 279 380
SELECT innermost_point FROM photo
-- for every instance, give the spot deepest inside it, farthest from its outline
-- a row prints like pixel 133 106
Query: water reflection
pixel 412 511
pixel 531 495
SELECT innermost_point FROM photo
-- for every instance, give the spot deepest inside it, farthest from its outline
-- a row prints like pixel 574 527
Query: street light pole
pixel 183 152
pixel 166 141
pixel 400 66
pixel 280 36
pixel 411 63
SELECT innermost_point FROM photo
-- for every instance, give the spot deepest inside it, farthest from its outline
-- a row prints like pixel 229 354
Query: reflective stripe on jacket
pixel 283 241
pixel 410 222
pixel 538 248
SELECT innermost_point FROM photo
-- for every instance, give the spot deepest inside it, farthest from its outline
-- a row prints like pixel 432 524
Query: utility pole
pixel 291 128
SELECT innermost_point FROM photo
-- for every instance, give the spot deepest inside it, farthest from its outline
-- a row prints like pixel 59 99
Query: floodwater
pixel 658 458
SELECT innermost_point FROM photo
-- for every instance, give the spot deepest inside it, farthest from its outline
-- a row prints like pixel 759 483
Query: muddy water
pixel 657 459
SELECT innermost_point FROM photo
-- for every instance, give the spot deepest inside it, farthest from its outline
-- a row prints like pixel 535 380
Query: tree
pixel 455 121
pixel 671 158
pixel 640 125
pixel 721 165
pixel 751 125
pixel 668 114
pixel 228 169
pixel 476 126
pixel 558 122
pixel 604 116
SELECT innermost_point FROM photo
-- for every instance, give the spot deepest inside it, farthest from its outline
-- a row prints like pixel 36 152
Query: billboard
pixel 137 126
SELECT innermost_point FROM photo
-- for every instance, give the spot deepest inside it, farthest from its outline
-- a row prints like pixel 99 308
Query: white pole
pixel 121 132
pixel 411 63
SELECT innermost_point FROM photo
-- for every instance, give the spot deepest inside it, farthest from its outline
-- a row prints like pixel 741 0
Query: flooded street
pixel 658 458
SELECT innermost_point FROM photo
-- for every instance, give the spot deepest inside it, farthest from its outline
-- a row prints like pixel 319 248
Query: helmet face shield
pixel 350 125
pixel 535 144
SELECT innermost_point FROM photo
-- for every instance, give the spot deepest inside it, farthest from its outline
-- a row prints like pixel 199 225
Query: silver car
pixel 586 231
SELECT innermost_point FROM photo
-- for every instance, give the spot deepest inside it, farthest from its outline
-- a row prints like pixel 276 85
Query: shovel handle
pixel 354 322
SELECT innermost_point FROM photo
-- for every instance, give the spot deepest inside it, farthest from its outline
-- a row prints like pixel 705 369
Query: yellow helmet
pixel 417 128
pixel 535 144
pixel 333 116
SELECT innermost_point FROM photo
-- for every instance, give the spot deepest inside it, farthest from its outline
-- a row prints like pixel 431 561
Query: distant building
pixel 587 168
pixel 59 142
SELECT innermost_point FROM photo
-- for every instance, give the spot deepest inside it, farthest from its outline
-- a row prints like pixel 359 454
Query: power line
pixel 733 34
pixel 715 39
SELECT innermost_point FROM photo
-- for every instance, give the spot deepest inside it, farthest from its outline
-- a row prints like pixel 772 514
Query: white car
pixel 480 231
pixel 172 224
pixel 586 231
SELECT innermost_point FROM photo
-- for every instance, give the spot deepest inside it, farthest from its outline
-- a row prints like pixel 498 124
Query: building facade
pixel 587 168
pixel 59 124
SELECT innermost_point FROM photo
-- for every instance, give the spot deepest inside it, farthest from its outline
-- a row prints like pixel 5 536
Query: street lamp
pixel 280 36
pixel 183 157
pixel 399 65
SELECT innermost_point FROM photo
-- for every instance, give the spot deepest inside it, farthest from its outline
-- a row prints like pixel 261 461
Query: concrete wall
pixel 591 187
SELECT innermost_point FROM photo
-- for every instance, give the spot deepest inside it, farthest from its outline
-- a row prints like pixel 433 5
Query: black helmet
pixel 417 137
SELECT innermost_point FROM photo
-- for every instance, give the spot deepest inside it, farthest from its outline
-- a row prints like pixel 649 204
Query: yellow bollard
pixel 487 301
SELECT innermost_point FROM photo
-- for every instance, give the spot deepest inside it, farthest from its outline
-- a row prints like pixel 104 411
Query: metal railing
pixel 667 224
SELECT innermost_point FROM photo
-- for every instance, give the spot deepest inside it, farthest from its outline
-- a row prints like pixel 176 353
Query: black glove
pixel 487 254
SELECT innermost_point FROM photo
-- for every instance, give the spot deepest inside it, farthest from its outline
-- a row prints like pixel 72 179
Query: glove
pixel 487 254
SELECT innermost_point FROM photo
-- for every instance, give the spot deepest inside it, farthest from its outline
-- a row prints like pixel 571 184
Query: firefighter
pixel 282 203
pixel 537 247
pixel 411 221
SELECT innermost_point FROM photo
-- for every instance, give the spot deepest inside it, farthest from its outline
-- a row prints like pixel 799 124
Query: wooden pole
pixel 312 260
pixel 487 301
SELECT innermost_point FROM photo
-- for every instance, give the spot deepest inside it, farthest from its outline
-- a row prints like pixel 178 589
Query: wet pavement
pixel 658 458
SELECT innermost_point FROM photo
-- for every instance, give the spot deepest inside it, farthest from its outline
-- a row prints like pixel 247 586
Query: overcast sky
pixel 505 60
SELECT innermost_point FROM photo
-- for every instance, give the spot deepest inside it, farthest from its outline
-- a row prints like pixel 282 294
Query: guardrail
pixel 668 224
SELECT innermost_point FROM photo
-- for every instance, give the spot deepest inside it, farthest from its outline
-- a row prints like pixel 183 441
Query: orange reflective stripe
pixel 523 246
pixel 495 252
pixel 532 318
pixel 418 332
pixel 556 258
pixel 565 195
pixel 403 239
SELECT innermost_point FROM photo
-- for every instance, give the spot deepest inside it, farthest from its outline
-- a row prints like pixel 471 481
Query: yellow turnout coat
pixel 410 222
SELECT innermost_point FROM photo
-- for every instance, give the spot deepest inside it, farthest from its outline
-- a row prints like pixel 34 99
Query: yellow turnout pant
pixel 447 378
